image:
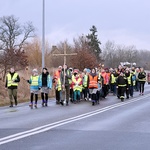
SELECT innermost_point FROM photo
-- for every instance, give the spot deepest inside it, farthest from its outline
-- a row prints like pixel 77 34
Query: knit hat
pixel 45 68
pixel 75 71
pixel 35 70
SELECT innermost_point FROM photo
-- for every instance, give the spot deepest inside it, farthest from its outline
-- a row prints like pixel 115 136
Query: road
pixel 112 125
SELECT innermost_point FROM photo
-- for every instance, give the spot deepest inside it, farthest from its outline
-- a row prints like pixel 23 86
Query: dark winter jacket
pixel 68 77
pixel 121 81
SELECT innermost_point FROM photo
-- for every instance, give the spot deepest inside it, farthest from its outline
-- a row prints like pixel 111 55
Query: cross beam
pixel 65 54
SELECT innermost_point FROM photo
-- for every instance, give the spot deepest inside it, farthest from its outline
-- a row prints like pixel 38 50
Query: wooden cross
pixel 65 54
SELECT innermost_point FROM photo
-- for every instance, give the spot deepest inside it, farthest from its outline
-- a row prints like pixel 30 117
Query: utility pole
pixel 43 35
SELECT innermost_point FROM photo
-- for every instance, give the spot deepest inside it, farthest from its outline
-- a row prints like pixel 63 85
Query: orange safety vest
pixel 108 74
pixel 93 81
pixel 57 74
pixel 105 77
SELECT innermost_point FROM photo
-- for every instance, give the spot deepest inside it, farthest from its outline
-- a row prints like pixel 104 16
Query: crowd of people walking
pixel 72 85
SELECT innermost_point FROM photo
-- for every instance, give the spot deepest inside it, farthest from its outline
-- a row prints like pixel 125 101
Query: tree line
pixel 21 47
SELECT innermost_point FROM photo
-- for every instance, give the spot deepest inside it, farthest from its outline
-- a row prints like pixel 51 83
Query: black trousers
pixel 121 91
pixel 44 97
pixel 58 96
pixel 141 84
pixel 105 90
pixel 85 92
pixel 32 97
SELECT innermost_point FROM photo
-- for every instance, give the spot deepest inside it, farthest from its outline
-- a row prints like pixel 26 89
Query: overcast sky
pixel 126 22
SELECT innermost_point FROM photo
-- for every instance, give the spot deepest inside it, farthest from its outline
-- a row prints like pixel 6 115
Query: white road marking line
pixel 65 121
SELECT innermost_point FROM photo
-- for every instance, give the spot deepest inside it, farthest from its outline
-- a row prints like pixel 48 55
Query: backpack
pixel 133 77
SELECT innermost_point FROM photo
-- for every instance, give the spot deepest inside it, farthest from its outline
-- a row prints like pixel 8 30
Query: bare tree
pixel 144 60
pixel 114 54
pixel 13 38
pixel 85 58
pixel 109 54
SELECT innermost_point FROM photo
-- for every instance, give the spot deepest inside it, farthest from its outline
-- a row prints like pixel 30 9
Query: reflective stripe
pixel 122 85
pixel 10 80
pixel 122 97
pixel 144 79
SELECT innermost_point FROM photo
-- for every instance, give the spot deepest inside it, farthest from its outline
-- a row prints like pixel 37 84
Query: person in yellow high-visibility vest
pixel 85 84
pixel 34 82
pixel 129 91
pixel 58 88
pixel 77 86
pixel 113 78
pixel 12 80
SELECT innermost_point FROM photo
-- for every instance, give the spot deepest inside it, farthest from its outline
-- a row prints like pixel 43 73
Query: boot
pixel 35 105
pixel 43 103
pixel 67 104
pixel 16 103
pixel 11 104
pixel 31 105
pixel 46 101
pixel 122 99
pixel 93 102
pixel 57 102
pixel 62 102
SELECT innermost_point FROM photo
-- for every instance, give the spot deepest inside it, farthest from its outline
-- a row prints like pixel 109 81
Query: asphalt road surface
pixel 112 125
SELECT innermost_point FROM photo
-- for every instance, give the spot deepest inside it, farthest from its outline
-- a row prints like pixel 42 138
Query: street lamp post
pixel 43 35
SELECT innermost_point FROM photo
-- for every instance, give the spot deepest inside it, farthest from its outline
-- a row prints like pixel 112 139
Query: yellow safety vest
pixel 77 87
pixel 10 80
pixel 113 79
pixel 85 80
pixel 129 79
pixel 58 86
pixel 34 80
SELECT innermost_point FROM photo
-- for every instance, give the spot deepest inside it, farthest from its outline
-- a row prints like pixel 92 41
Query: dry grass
pixel 23 91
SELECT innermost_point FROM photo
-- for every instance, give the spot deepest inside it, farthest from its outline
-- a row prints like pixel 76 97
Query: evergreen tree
pixel 94 43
